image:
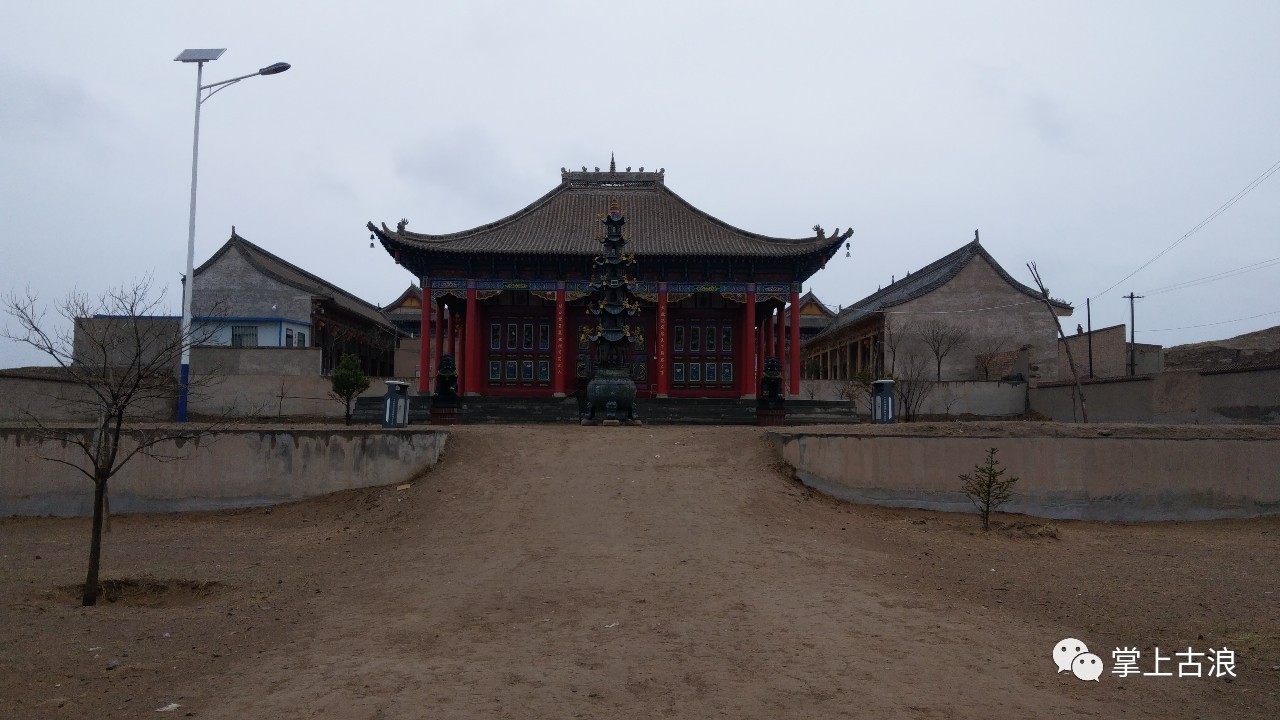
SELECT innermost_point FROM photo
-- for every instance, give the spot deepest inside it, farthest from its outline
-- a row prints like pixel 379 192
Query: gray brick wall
pixel 231 287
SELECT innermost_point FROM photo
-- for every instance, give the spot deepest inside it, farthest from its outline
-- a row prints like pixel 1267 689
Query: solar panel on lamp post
pixel 200 57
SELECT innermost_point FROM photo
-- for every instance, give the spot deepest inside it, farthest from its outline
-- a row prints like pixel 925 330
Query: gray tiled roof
pixel 294 276
pixel 565 222
pixel 924 281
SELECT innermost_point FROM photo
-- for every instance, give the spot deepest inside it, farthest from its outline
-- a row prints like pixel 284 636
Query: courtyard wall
pixel 966 397
pixel 47 395
pixel 1215 397
pixel 272 397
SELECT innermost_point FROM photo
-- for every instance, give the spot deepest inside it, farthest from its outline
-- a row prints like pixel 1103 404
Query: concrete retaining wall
pixel 229 469
pixel 1089 478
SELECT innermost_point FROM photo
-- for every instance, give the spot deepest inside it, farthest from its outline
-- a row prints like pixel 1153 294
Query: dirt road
pixel 627 572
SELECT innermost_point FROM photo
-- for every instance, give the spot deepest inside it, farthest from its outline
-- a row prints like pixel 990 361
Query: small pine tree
pixel 348 381
pixel 987 487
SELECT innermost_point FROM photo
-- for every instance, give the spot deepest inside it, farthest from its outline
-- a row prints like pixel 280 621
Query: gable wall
pixel 231 287
pixel 978 285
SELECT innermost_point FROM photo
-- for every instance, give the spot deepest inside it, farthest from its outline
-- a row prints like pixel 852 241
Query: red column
pixel 424 345
pixel 747 355
pixel 661 345
pixel 558 380
pixel 776 335
pixel 455 337
pixel 772 345
pixel 471 340
pixel 780 347
pixel 794 366
pixel 764 333
pixel 762 350
pixel 455 346
pixel 439 311
pixel 451 331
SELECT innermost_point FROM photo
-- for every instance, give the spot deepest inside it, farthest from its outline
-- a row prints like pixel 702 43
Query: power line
pixel 1260 265
pixel 1220 322
pixel 1212 216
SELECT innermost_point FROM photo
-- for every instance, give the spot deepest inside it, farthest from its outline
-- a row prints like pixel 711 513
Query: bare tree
pixel 1044 297
pixel 987 350
pixel 123 360
pixel 912 386
pixel 950 396
pixel 941 338
pixel 895 336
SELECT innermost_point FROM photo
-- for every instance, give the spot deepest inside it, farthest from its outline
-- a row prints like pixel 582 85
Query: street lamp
pixel 203 92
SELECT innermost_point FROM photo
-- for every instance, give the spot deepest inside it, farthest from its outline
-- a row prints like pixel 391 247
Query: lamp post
pixel 200 57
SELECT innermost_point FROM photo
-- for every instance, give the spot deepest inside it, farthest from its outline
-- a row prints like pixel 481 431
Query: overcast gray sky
pixel 1084 136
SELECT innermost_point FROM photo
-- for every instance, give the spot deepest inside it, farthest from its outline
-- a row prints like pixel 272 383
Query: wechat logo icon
pixel 1073 656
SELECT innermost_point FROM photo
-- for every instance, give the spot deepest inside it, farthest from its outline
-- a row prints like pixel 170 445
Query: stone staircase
pixel 660 411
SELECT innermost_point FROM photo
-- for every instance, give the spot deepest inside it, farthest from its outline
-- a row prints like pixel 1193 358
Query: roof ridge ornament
pixel 613 166
pixel 817 229
pixel 400 226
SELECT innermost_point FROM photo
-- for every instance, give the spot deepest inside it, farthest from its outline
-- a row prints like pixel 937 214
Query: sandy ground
pixel 634 573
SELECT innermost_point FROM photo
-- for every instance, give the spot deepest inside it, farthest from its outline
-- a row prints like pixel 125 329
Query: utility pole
pixel 1088 317
pixel 1133 336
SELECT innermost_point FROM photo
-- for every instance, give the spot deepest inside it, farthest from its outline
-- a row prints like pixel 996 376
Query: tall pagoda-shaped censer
pixel 611 393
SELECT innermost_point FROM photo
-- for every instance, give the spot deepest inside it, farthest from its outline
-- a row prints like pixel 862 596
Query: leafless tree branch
pixel 119 352
pixel 987 349
pixel 941 338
